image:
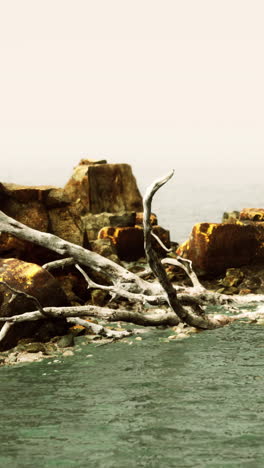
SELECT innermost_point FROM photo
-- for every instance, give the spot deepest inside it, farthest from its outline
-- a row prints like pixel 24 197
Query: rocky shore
pixel 100 208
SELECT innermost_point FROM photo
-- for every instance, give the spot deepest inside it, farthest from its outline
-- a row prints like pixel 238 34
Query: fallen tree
pixel 179 304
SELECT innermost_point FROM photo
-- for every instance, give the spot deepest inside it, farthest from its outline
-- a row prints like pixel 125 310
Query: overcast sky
pixel 156 84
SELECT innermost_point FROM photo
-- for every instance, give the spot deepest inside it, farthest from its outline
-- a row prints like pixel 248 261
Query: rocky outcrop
pixel 44 208
pixel 215 247
pixel 252 214
pixel 129 241
pixel 35 281
pixel 98 195
pixel 100 187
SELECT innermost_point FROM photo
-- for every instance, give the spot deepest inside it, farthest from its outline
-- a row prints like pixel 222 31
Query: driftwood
pixel 183 304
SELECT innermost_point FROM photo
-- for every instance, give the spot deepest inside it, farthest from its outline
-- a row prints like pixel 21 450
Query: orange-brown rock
pixel 44 208
pixel 213 248
pixel 139 219
pixel 252 214
pixel 129 241
pixel 31 279
pixel 101 187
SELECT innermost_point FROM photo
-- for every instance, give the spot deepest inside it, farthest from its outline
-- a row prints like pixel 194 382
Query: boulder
pixel 139 219
pixel 252 214
pixel 45 208
pixel 230 217
pixel 34 280
pixel 93 223
pixel 213 247
pixel 101 187
pixel 129 241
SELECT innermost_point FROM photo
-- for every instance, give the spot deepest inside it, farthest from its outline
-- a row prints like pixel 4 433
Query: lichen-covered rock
pixel 252 214
pixel 139 219
pixel 129 241
pixel 213 248
pixel 93 223
pixel 230 216
pixel 233 277
pixel 104 187
pixel 31 279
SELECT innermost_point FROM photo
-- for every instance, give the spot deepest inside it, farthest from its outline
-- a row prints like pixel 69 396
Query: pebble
pixel 68 353
pixel 138 338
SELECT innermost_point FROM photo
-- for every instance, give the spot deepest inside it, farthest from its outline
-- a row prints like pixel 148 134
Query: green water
pixel 191 403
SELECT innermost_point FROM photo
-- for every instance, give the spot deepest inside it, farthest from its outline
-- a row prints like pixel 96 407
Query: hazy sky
pixel 156 84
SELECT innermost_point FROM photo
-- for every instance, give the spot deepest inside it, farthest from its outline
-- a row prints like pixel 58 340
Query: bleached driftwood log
pixel 192 315
pixel 187 304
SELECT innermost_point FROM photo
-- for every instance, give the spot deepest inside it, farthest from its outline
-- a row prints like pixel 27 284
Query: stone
pixel 230 217
pixel 66 226
pixel 129 241
pixel 44 208
pixel 104 188
pixel 34 280
pixel 57 197
pixel 99 297
pixel 233 277
pixel 252 214
pixel 69 352
pixel 93 223
pixel 213 247
pixel 66 341
pixel 29 357
pixel 106 248
pixel 34 347
pixel 139 219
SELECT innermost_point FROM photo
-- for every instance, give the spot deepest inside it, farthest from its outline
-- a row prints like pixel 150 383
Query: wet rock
pixel 66 341
pixel 104 188
pixel 213 248
pixel 31 279
pixel 69 352
pixel 252 283
pixel 34 347
pixel 29 357
pixel 233 277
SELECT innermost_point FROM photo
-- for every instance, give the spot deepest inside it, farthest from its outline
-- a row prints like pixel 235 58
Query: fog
pixel 156 84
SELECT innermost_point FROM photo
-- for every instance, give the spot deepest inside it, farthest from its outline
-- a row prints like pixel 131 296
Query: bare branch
pixel 59 263
pixel 195 319
pixel 17 292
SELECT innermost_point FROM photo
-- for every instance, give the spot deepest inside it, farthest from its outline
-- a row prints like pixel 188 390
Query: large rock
pixel 213 248
pixel 252 214
pixel 45 208
pixel 99 187
pixel 93 223
pixel 31 279
pixel 129 241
